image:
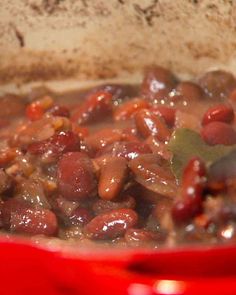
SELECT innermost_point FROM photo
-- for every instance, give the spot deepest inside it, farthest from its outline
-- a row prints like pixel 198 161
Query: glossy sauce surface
pixel 149 165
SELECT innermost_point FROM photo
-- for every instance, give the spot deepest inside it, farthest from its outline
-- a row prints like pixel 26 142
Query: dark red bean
pixel 157 83
pixel 149 124
pixel 218 133
pixel 76 178
pixel 167 113
pixel 21 218
pixel 129 108
pixel 60 111
pixel 193 179
pixel 220 113
pixel 128 150
pixel 112 178
pixel 183 211
pixel 111 225
pixel 189 91
pixel 218 84
pixel 59 143
pixel 95 107
pixel 193 184
pixel 103 206
pixel 80 216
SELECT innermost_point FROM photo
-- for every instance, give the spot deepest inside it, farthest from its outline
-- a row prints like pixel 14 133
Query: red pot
pixel 27 269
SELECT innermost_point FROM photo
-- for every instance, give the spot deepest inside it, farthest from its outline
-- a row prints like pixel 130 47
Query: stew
pixel 131 165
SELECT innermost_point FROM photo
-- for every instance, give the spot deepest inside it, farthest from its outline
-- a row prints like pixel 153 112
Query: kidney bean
pixel 218 84
pixel 125 201
pixel 102 138
pixel 157 83
pixel 96 106
pixel 34 112
pixel 60 111
pixel 150 173
pixel 193 179
pixel 218 133
pixel 129 108
pixel 148 124
pixel 166 113
pixel 193 184
pixel 76 178
pixel 220 113
pixel 36 109
pixel 128 150
pixel 22 218
pixel 112 178
pixel 80 216
pixel 182 211
pixel 190 91
pixel 59 143
pixel 111 225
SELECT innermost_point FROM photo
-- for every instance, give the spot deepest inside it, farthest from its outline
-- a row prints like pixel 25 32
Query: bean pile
pixel 99 165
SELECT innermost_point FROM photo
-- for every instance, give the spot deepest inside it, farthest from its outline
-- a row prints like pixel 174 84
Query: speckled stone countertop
pixel 58 39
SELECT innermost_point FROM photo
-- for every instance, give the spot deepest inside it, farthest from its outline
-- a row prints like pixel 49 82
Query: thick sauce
pixel 148 165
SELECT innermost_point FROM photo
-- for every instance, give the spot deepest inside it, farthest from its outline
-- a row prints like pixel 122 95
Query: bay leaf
pixel 186 144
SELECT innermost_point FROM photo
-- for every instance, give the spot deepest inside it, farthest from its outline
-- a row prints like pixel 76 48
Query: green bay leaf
pixel 186 144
